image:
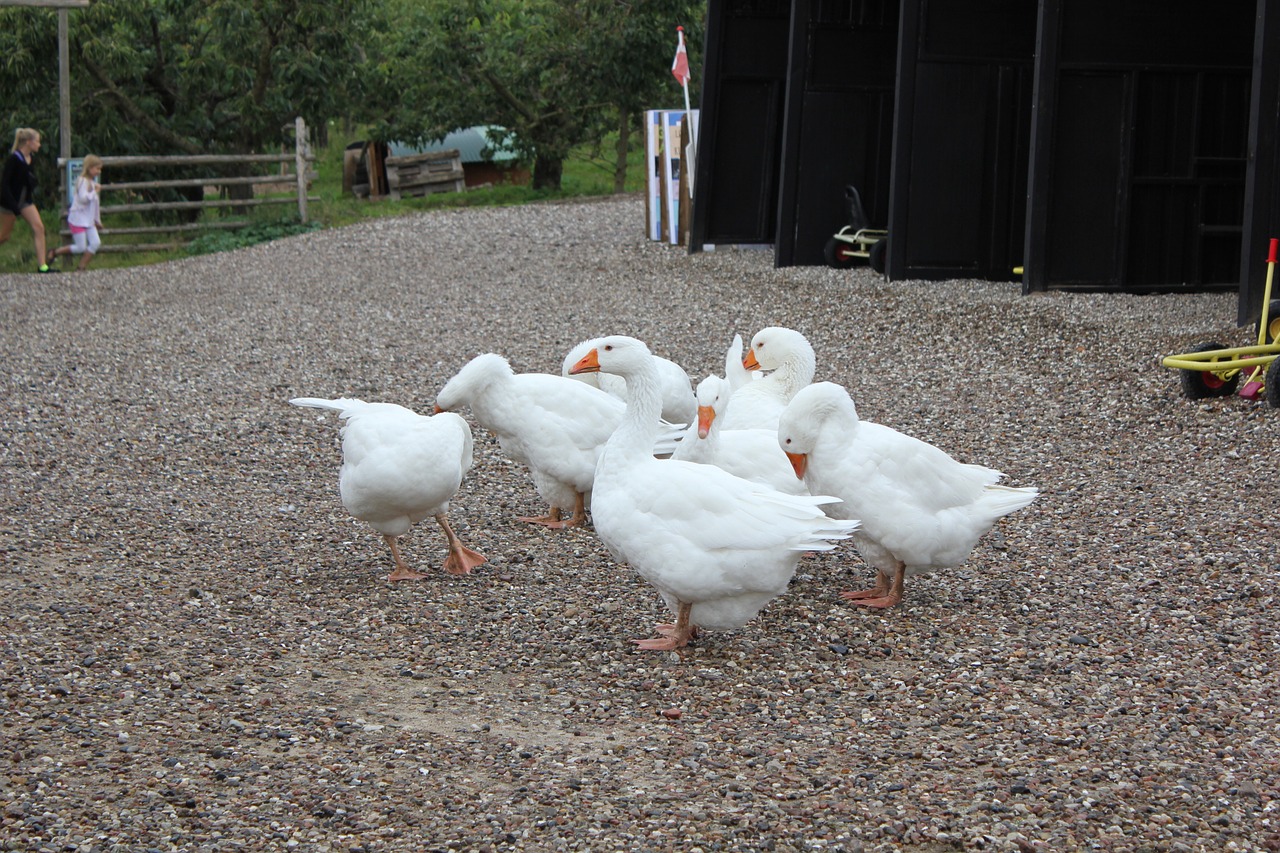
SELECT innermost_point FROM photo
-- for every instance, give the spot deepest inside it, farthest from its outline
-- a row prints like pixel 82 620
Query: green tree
pixel 634 73
pixel 170 76
pixel 554 73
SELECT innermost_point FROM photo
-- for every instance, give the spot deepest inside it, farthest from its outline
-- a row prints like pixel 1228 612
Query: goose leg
pixel 554 519
pixel 461 559
pixel 551 519
pixel 673 636
pixel 894 594
pixel 579 511
pixel 880 590
pixel 402 572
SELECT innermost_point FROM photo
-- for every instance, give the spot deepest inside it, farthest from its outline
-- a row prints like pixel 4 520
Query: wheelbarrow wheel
pixel 834 254
pixel 877 254
pixel 1273 322
pixel 1203 384
pixel 1272 380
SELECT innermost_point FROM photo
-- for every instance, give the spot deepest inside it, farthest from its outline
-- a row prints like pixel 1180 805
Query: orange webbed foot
pixel 405 574
pixel 463 560
pixel 880 603
pixel 661 644
pixel 856 595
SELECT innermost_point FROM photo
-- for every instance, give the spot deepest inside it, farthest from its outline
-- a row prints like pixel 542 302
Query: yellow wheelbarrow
pixel 1212 370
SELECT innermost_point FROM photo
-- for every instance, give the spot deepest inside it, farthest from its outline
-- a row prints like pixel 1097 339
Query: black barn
pixel 1126 145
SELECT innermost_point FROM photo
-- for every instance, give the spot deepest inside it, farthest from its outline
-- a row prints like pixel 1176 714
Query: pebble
pixel 202 652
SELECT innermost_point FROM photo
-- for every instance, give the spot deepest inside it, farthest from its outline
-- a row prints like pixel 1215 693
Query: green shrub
pixel 259 232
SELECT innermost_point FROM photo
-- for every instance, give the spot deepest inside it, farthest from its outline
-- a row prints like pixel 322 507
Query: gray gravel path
pixel 200 651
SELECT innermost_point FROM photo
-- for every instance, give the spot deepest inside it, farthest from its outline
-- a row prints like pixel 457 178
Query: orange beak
pixel 589 363
pixel 437 410
pixel 706 415
pixel 800 462
pixel 749 360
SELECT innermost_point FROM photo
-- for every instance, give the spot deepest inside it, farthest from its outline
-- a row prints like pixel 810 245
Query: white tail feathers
pixel 338 405
pixel 1002 500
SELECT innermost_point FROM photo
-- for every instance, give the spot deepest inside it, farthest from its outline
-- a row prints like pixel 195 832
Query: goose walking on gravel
pixel 398 468
pixel 920 509
pixel 717 548
pixel 555 425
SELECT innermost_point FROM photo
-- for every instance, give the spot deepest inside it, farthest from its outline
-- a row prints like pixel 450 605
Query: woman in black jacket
pixel 18 192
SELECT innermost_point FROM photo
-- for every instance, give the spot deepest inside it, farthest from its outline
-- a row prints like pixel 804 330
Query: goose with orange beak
pixel 920 509
pixel 751 454
pixel 717 548
pixel 790 361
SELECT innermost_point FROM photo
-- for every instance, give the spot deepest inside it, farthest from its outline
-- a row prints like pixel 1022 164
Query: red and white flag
pixel 680 67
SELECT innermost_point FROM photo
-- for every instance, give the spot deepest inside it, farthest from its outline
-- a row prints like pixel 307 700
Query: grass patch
pixel 587 172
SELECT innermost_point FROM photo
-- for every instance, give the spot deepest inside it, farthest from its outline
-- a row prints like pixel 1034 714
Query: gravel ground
pixel 201 651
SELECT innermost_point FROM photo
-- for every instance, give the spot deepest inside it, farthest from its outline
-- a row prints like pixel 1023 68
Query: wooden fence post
pixel 300 165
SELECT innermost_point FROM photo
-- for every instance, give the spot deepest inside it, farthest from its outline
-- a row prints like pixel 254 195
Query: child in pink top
pixel 84 218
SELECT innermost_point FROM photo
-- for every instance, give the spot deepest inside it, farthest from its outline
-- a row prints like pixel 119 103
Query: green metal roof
pixel 470 142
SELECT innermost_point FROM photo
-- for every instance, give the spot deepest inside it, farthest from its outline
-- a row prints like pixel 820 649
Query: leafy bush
pixel 259 232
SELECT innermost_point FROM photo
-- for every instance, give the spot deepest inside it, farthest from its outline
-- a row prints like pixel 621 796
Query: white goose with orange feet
pixel 398 468
pixel 920 509
pixel 555 425
pixel 717 548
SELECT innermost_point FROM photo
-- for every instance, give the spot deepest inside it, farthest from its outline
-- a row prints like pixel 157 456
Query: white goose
pixel 399 467
pixel 678 404
pixel 789 357
pixel 555 426
pixel 718 548
pixel 752 454
pixel 920 509
pixel 735 372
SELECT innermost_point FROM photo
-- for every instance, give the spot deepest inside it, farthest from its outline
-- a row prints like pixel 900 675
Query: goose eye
pixel 608 348
pixel 788 441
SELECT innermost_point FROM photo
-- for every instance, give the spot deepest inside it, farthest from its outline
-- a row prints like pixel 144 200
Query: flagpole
pixel 684 83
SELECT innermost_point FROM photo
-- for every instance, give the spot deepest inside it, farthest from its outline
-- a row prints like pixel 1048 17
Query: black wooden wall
pixel 1138 171
pixel 1097 144
pixel 743 94
pixel 962 139
pixel 1262 196
pixel 838 128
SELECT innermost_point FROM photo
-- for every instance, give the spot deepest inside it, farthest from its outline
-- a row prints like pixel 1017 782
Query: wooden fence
pixel 205 167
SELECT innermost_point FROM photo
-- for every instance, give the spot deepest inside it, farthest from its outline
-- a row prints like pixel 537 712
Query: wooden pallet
pixel 423 174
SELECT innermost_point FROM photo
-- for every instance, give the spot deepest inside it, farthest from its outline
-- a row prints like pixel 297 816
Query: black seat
pixel 857 216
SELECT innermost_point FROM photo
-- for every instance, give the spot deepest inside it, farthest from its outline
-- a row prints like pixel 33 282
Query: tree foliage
pixel 226 76
pixel 170 76
pixel 555 73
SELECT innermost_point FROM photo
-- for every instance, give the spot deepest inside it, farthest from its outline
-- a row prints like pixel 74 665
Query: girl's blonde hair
pixel 91 160
pixel 24 135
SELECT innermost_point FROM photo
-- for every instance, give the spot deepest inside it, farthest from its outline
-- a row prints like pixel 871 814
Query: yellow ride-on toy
pixel 856 241
pixel 1212 370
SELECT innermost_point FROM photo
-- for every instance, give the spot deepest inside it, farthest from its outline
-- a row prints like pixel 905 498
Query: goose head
pixel 804 417
pixel 474 377
pixel 775 346
pixel 713 397
pixel 616 354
